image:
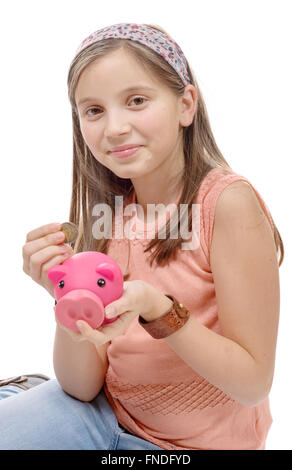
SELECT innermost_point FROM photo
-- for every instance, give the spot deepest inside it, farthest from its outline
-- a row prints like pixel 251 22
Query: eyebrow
pixel 131 88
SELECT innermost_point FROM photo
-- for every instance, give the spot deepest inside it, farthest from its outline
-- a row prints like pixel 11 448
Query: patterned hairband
pixel 161 43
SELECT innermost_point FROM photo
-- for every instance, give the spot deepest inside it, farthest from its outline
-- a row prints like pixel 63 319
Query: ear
pixel 188 106
pixel 55 273
pixel 107 270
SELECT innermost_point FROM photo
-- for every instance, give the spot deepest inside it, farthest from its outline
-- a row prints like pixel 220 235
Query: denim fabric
pixel 46 418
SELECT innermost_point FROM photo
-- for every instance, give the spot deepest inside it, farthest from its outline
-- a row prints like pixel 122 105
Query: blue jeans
pixel 47 418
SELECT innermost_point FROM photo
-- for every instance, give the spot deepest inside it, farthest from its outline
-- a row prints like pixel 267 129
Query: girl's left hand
pixel 138 298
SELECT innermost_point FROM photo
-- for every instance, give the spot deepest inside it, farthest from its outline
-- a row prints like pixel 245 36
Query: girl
pixel 189 362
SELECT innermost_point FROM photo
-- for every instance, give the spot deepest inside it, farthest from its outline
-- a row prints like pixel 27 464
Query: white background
pixel 240 52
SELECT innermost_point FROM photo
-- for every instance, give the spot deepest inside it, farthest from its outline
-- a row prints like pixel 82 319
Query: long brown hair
pixel 94 183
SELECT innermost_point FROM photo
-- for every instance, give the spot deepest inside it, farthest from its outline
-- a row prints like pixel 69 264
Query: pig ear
pixel 56 273
pixel 107 270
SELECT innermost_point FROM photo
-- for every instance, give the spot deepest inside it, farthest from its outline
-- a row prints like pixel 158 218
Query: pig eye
pixel 101 282
pixel 61 284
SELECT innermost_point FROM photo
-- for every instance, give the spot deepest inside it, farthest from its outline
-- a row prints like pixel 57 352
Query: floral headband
pixel 160 42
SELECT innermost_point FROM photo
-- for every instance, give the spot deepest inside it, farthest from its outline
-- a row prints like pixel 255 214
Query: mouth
pixel 125 153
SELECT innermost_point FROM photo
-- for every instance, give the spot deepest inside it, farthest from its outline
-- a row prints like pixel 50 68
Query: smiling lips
pixel 128 151
pixel 124 147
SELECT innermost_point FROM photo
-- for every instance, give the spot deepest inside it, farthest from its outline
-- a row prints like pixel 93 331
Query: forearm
pixel 78 367
pixel 221 361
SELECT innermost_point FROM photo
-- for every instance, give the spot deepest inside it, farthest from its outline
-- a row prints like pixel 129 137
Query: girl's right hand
pixel 43 250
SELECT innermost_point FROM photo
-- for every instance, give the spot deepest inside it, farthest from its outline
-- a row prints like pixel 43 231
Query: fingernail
pixel 80 326
pixel 58 236
pixel 110 312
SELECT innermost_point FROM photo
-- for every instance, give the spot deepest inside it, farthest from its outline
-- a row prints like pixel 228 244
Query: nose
pixel 116 126
pixel 80 304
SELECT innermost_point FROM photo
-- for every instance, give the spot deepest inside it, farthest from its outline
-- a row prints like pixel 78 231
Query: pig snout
pixel 80 304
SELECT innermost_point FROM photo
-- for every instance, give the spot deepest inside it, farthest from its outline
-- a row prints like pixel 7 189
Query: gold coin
pixel 71 232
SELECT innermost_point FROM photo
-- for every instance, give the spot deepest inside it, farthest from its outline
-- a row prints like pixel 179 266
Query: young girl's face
pixel 111 116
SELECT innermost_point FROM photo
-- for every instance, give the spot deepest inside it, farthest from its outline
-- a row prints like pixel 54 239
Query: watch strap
pixel 169 323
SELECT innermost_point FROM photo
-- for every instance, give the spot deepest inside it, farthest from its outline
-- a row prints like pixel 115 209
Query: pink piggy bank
pixel 84 284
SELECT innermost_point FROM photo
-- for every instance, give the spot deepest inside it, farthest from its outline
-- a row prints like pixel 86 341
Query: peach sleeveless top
pixel 152 391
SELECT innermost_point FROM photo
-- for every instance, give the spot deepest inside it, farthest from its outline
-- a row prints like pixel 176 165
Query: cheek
pixel 88 133
pixel 160 128
pixel 147 122
pixel 153 120
pixel 160 120
pixel 91 137
pixel 154 127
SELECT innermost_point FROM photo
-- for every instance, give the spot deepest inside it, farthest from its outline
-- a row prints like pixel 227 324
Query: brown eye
pixel 92 109
pixel 139 98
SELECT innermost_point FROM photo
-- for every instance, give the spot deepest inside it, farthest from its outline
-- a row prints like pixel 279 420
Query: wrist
pixel 159 309
pixel 169 322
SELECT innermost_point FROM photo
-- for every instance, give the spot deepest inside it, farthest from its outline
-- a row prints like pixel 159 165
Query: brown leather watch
pixel 170 322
